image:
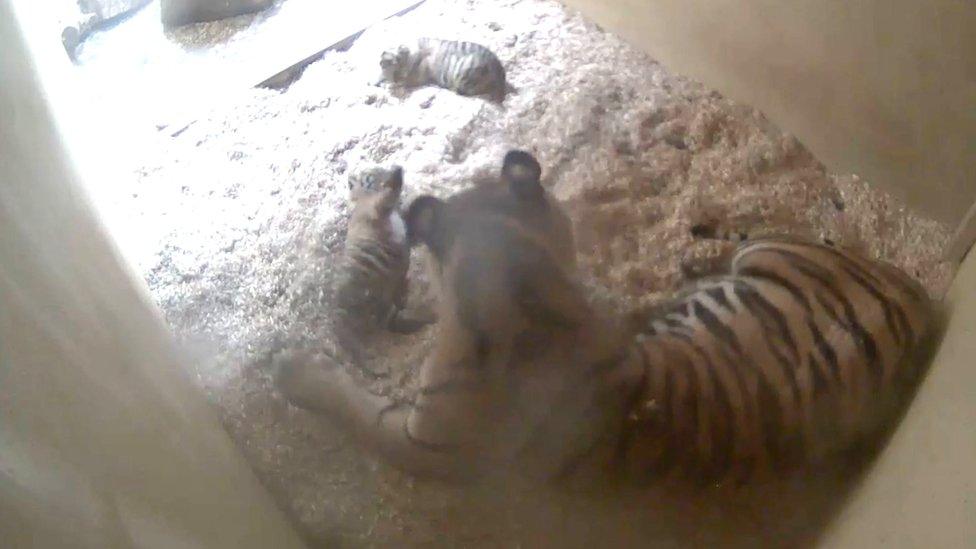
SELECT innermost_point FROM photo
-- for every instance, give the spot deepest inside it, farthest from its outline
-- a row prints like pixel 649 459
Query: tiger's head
pixel 502 253
pixel 394 65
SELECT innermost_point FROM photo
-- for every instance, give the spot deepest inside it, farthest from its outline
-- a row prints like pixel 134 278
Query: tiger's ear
pixel 424 218
pixel 389 198
pixel 522 173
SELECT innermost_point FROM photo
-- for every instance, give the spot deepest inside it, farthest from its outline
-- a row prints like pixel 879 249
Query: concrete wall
pixel 104 440
pixel 882 88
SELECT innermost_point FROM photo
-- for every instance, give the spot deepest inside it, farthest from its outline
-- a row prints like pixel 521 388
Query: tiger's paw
pixel 306 379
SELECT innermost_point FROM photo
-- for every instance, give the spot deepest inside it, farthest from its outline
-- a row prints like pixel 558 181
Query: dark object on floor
pixel 91 15
pixel 176 13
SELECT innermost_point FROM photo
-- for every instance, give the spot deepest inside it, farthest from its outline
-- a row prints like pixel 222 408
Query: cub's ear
pixel 395 181
pixel 522 172
pixel 424 219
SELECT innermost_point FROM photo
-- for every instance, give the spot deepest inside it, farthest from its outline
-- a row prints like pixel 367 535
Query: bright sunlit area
pixel 218 148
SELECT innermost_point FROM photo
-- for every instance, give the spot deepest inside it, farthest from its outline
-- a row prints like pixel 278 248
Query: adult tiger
pixel 800 350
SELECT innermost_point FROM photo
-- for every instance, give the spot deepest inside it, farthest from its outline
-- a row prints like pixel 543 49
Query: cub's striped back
pixel 801 350
pixel 466 68
pixel 371 287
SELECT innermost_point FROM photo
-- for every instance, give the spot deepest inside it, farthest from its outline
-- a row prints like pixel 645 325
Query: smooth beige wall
pixel 882 88
pixel 104 440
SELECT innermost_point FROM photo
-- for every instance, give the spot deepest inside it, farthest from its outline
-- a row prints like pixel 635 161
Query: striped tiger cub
pixel 799 351
pixel 371 288
pixel 465 68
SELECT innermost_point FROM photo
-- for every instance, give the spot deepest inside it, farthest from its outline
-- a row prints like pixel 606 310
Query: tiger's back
pixel 800 351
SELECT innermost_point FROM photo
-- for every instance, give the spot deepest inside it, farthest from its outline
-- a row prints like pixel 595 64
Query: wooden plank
pixel 283 78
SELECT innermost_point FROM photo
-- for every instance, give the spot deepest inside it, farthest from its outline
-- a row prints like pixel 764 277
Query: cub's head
pixel 378 185
pixel 395 64
pixel 502 251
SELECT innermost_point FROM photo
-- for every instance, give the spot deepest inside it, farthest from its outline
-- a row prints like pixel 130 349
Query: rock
pixel 183 12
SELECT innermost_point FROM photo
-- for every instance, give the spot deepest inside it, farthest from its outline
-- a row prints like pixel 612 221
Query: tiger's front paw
pixel 306 379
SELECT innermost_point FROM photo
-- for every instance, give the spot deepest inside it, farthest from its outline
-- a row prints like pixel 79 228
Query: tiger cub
pixel 465 68
pixel 371 288
pixel 800 350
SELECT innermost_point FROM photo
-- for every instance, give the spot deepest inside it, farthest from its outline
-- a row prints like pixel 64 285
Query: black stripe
pixel 723 441
pixel 895 281
pixel 820 383
pixel 766 314
pixel 763 309
pixel 782 443
pixel 688 436
pixel 829 310
pixel 874 285
pixel 429 446
pixel 891 310
pixel 866 343
pixel 825 349
pixel 750 407
pixel 891 276
pixel 718 294
pixel 716 327
pixel 793 289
